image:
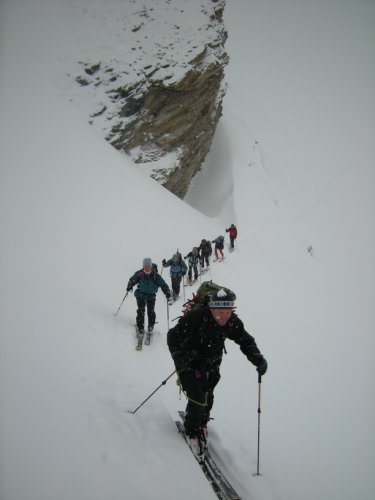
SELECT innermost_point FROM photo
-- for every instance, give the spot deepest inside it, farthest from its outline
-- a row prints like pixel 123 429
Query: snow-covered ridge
pixel 135 49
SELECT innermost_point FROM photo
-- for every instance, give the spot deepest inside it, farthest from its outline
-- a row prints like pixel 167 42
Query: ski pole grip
pixel 259 378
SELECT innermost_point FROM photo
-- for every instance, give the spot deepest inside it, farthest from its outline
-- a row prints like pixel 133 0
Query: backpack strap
pixel 141 275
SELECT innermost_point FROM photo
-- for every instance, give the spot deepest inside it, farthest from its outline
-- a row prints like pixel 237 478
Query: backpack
pixel 176 259
pixel 203 296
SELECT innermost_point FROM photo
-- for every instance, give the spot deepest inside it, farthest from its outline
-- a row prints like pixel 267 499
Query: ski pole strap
pixel 178 382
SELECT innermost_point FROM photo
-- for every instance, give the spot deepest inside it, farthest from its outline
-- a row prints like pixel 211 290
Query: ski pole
pixel 163 383
pixel 119 307
pixel 259 412
pixel 168 313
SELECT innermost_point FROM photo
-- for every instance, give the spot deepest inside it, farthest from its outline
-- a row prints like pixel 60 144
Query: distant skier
pixel 148 281
pixel 219 246
pixel 232 230
pixel 193 261
pixel 196 344
pixel 205 252
pixel 178 270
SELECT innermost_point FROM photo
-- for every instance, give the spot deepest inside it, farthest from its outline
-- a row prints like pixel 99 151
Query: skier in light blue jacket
pixel 178 270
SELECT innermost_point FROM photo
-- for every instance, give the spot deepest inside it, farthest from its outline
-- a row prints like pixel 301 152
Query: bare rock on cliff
pixel 155 90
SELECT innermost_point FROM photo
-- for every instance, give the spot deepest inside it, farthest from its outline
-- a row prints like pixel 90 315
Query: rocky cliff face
pixel 160 100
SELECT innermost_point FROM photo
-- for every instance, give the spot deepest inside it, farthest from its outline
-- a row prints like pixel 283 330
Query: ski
pixel 171 301
pixel 190 283
pixel 203 466
pixel 225 486
pixel 220 484
pixel 140 335
pixel 149 337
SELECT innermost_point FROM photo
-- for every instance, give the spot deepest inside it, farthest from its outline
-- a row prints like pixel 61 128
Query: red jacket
pixel 232 232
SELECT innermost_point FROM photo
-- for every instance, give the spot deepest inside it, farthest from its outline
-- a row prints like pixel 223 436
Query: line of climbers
pixel 148 280
pixel 196 342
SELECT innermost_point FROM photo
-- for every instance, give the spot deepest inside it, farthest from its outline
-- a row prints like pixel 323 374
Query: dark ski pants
pixel 199 388
pixel 142 303
pixel 232 242
pixel 205 259
pixel 176 283
pixel 190 272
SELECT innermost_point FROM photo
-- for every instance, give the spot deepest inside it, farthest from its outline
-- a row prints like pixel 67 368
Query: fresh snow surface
pixel 295 156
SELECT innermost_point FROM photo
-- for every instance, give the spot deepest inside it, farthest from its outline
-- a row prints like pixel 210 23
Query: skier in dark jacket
pixel 196 344
pixel 148 281
pixel 205 251
pixel 219 246
pixel 193 261
pixel 178 270
pixel 232 230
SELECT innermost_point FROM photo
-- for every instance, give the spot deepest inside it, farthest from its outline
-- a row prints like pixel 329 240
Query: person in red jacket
pixel 232 230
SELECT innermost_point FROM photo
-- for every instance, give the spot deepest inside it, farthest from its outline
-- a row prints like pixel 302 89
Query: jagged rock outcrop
pixel 165 114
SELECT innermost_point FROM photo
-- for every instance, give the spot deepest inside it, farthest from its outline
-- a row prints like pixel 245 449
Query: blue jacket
pixel 178 269
pixel 148 284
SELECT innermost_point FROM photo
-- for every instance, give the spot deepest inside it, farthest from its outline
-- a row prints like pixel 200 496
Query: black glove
pixel 163 262
pixel 260 363
pixel 168 295
pixel 129 288
pixel 262 368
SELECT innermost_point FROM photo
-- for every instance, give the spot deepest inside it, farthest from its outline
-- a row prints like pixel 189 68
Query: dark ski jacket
pixel 219 242
pixel 205 249
pixel 197 341
pixel 148 284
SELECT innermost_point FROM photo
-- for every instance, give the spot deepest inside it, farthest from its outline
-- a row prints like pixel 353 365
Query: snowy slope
pixel 302 158
pixel 77 219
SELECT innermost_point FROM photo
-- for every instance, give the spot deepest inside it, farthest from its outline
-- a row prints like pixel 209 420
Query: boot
pixel 196 447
